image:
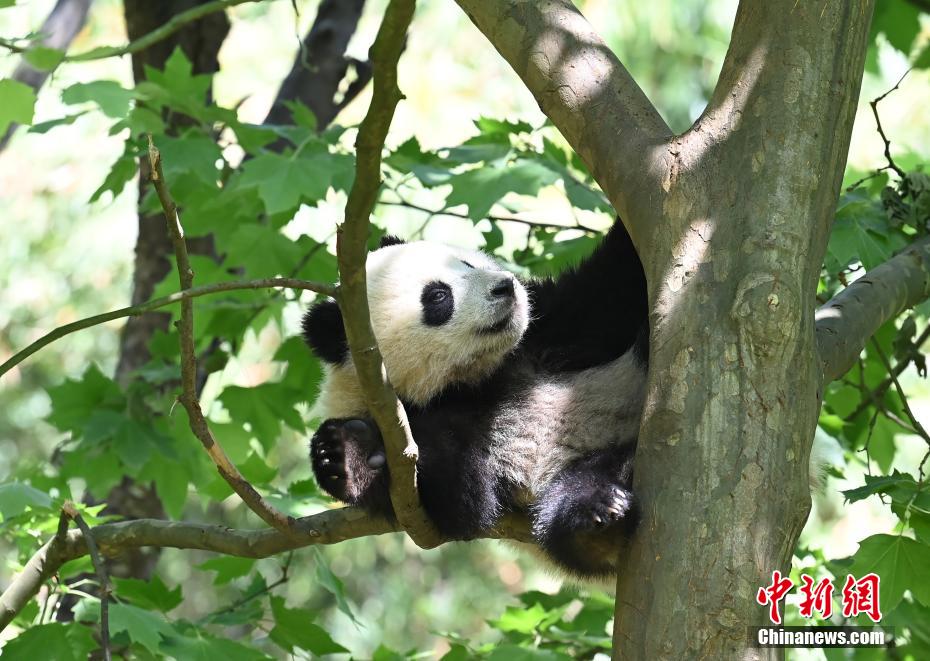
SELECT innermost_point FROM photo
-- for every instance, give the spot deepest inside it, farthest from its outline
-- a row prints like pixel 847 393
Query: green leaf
pixel 263 407
pixel 112 98
pixel 16 497
pixel 151 594
pixel 142 626
pixel 192 154
pixel 45 127
pixel 255 470
pixel 171 479
pixel 283 181
pixel 900 562
pixel 294 627
pixel 261 250
pixel 898 21
pixel 123 171
pixel 61 642
pixel 19 101
pixel 176 85
pixel 521 620
pixel 197 645
pixel 44 58
pixel 227 568
pixel 861 232
pixel 7 3
pixel 428 167
pixel 878 484
pixel 332 584
pixel 481 188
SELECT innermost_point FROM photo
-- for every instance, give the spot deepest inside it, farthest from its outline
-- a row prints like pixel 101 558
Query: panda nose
pixel 503 289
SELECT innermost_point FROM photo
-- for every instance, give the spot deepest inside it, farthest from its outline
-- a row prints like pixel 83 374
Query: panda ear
pixel 390 240
pixel 324 332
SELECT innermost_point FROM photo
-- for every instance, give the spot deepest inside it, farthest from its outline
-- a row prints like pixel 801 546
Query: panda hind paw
pixel 609 505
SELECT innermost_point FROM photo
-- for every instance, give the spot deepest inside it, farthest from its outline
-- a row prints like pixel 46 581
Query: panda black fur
pixel 519 395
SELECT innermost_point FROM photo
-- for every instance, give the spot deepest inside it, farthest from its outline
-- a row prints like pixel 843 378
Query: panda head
pixel 441 315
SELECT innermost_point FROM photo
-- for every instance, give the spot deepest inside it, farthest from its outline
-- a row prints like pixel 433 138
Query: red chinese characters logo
pixel 862 597
pixel 859 596
pixel 816 597
pixel 773 594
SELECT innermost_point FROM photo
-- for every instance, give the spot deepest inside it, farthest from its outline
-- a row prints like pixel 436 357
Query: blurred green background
pixel 63 258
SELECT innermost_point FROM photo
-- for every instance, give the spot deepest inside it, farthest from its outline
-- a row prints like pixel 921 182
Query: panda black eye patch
pixel 437 302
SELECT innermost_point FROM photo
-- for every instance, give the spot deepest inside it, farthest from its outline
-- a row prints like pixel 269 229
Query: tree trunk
pixel 733 257
pixel 731 220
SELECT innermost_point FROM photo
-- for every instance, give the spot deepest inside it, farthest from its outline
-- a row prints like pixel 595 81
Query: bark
pixel 321 66
pixel 58 31
pixel 731 221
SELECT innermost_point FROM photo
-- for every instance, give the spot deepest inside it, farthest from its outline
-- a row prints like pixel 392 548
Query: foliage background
pixel 63 258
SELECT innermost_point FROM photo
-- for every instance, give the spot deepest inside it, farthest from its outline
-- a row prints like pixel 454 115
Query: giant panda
pixel 520 395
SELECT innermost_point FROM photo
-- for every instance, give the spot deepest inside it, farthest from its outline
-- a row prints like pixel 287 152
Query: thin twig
pixel 918 428
pixel 878 124
pixel 351 252
pixel 154 304
pixel 71 511
pixel 188 397
pixel 872 397
pixel 497 219
pixel 164 31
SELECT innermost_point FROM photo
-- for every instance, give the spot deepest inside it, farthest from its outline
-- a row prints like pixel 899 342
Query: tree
pixel 732 220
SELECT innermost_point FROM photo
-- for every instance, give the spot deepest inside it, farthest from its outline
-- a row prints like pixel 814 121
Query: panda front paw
pixel 349 463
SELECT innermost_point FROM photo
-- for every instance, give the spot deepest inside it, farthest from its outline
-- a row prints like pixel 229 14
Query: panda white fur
pixel 519 395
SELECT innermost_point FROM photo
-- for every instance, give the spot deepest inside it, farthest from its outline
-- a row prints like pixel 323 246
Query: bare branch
pixel 497 219
pixel 328 527
pixel 587 93
pixel 188 398
pixel 878 126
pixel 72 513
pixel 351 251
pixel 164 301
pixel 177 22
pixel 847 321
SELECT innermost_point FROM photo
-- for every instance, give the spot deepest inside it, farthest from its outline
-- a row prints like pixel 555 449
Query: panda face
pixel 442 315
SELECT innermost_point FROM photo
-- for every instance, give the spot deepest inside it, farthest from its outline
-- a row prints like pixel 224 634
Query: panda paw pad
pixel 344 455
pixel 610 505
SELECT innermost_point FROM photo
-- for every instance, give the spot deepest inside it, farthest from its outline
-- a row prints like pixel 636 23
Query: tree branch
pixel 177 22
pixel 328 527
pixel 321 66
pixel 189 398
pixel 69 510
pixel 847 321
pixel 164 301
pixel 587 93
pixel 351 252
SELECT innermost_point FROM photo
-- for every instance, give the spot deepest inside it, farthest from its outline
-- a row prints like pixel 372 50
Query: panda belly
pixel 557 418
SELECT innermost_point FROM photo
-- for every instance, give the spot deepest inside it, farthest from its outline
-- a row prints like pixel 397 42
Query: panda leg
pixel 349 463
pixel 584 513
